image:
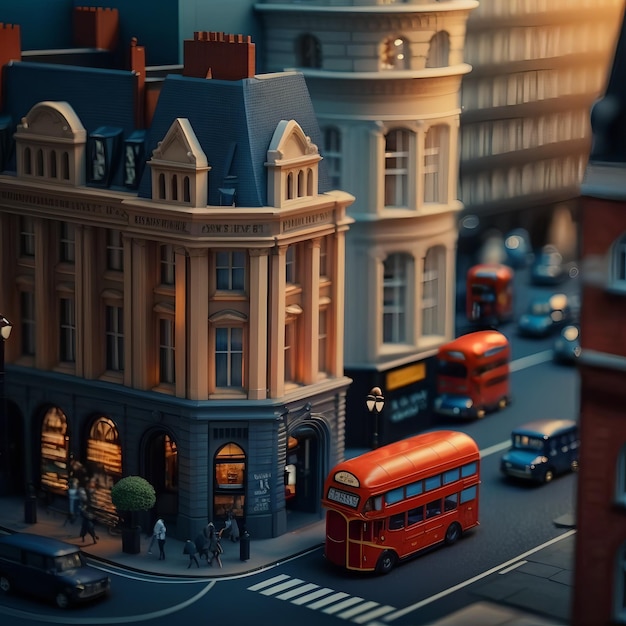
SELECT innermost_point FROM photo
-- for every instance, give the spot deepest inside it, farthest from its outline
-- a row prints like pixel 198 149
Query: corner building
pixel 385 83
pixel 176 287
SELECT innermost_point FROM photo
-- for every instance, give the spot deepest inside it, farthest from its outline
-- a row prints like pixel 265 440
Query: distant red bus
pixel 388 504
pixel 489 293
pixel 473 374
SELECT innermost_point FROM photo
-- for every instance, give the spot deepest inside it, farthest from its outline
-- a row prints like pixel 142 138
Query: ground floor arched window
pixel 229 481
pixel 54 451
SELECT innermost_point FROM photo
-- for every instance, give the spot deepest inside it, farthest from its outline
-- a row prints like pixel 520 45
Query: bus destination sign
pixel 343 497
pixel 346 478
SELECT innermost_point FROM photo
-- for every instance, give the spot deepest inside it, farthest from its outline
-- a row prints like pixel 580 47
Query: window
pixel 104 459
pixel 620 478
pixel 27 236
pixel 322 341
pixel 27 319
pixel 397 154
pixel 67 242
pixel 394 54
pixel 54 451
pixel 115 250
pixel 432 482
pixel 324 257
pixel 115 338
pixel 332 155
pixel 230 270
pixel 230 481
pixel 468 494
pixel 166 351
pixel 290 265
pixel 229 357
pixel 439 50
pixel 432 275
pixel 396 522
pixel 433 508
pixel 618 264
pixel 308 51
pixel 435 164
pixel 290 350
pixel 468 470
pixel 395 298
pixel 395 495
pixel 168 265
pixel 68 330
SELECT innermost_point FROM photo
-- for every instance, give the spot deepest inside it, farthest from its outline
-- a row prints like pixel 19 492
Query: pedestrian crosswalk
pixel 323 599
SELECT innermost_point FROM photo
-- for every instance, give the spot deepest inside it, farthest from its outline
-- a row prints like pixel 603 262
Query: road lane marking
pixel 506 570
pixel 469 581
pixel 530 360
pixel 312 596
pixel 281 587
pixel 497 447
pixel 268 582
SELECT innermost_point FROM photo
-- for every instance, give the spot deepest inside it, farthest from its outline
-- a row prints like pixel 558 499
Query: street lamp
pixel 375 403
pixel 5 332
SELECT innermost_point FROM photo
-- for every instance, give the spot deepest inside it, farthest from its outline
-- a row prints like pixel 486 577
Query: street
pixel 514 518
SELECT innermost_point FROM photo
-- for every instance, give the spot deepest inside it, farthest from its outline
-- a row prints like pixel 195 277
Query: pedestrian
pixel 232 527
pixel 72 504
pixel 191 549
pixel 159 531
pixel 215 547
pixel 202 545
pixel 153 538
pixel 87 526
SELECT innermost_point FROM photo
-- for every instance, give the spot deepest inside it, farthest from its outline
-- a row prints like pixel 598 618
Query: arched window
pixel 104 462
pixel 435 164
pixel 174 187
pixel 28 166
pixel 65 166
pixel 161 186
pixel 230 481
pixel 301 184
pixel 308 51
pixel 433 288
pixel 54 451
pixel 617 272
pixel 439 50
pixel 53 164
pixel 395 298
pixel 289 187
pixel 40 162
pixel 397 167
pixel 394 54
pixel 186 190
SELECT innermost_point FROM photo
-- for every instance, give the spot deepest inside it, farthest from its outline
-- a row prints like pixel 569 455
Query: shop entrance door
pixel 303 471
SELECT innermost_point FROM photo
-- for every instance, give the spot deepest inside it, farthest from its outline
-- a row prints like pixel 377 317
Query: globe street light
pixel 5 332
pixel 375 403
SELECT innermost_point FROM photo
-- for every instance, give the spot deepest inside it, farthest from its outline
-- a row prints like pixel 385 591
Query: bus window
pixel 452 369
pixel 396 522
pixel 432 475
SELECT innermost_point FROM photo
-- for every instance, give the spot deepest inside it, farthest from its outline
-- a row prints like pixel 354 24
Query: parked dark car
pixel 544 315
pixel 566 347
pixel 541 450
pixel 49 569
pixel 548 267
pixel 518 248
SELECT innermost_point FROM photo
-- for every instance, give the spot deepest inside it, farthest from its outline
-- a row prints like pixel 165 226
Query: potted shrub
pixel 130 495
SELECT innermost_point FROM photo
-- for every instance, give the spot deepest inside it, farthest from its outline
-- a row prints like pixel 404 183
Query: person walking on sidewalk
pixel 159 532
pixel 215 548
pixel 231 528
pixel 191 549
pixel 87 526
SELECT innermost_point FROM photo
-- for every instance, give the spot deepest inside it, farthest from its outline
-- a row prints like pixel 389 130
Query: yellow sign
pixel 405 376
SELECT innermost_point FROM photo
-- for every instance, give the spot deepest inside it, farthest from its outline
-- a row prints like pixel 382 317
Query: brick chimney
pixel 95 27
pixel 138 65
pixel 10 50
pixel 218 55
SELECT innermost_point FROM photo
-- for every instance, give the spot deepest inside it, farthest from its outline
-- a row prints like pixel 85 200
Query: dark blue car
pixel 545 315
pixel 541 450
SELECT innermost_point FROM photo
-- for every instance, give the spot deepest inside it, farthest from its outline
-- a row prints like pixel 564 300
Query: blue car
pixel 548 267
pixel 566 347
pixel 545 315
pixel 541 450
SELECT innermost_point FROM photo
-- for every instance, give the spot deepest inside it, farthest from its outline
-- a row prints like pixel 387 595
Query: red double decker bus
pixel 388 504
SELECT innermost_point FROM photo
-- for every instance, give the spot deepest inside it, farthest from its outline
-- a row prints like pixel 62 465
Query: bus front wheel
pixel 453 533
pixel 386 562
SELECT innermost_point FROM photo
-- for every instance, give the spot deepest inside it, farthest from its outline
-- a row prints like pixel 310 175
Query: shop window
pixel 230 472
pixel 290 468
pixel 54 451
pixel 104 462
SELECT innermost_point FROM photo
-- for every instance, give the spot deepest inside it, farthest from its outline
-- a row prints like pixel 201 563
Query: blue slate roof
pixel 99 97
pixel 234 114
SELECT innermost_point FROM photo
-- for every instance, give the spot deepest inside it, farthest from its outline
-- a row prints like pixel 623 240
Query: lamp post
pixel 5 332
pixel 375 403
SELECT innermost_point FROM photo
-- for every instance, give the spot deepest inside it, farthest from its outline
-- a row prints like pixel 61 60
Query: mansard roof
pixel 234 122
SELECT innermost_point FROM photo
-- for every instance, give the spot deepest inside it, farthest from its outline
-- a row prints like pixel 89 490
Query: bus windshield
pixel 485 292
pixel 452 369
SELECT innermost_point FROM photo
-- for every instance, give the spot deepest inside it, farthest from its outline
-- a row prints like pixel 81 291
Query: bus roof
pixel 490 270
pixel 476 343
pixel 421 454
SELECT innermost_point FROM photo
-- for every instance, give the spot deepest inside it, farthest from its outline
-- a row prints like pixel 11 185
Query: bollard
pixel 244 546
pixel 30 509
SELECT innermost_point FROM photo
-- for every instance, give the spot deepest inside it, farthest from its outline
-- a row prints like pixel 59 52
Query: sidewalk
pixel 536 592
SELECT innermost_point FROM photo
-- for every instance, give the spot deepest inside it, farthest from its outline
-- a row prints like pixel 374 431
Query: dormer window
pixel 103 149
pixel 133 158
